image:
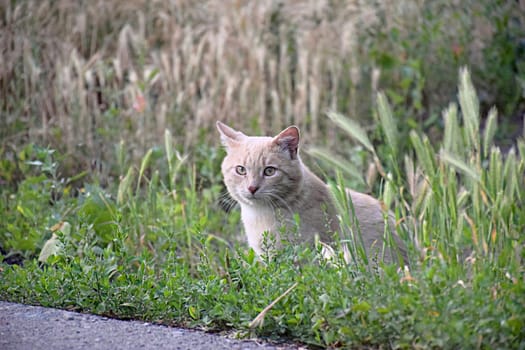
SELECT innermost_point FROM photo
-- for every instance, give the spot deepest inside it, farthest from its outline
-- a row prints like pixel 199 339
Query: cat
pixel 266 177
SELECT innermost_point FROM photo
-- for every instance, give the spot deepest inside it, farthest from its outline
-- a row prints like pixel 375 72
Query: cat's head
pixel 261 170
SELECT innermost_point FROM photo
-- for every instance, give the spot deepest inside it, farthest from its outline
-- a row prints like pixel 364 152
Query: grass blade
pixel 168 145
pixel 123 187
pixel 353 129
pixel 259 320
pixel 337 162
pixel 459 165
pixel 387 122
pixel 423 153
pixel 143 166
pixel 469 103
pixel 490 130
pixel 452 140
pixel 494 180
pixel 509 173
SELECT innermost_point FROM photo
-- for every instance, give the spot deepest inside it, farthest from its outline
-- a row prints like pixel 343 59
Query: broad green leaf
pixel 361 307
pixel 51 247
pixel 194 313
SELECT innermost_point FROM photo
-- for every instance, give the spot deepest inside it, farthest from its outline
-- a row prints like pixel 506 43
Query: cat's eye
pixel 269 171
pixel 239 169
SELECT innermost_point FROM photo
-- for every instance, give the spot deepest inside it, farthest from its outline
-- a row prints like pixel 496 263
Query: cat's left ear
pixel 288 141
pixel 229 136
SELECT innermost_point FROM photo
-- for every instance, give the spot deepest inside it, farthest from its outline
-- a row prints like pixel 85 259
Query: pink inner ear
pixel 288 140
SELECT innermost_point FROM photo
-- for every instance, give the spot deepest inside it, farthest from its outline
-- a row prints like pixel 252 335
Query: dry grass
pixel 83 75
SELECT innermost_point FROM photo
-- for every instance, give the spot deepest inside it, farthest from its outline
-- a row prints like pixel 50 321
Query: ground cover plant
pixel 110 187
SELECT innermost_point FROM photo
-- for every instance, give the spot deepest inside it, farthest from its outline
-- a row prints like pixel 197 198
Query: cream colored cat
pixel 266 176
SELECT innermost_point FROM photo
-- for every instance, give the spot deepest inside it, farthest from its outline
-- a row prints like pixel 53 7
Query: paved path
pixel 25 327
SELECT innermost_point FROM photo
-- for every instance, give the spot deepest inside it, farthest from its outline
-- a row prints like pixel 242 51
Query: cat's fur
pixel 270 201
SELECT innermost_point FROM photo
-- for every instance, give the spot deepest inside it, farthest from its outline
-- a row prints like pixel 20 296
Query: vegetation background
pixel 109 158
pixel 80 76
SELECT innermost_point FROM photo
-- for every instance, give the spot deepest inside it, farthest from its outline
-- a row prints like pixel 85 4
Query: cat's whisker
pixel 270 203
pixel 277 208
pixel 230 205
pixel 226 202
pixel 281 201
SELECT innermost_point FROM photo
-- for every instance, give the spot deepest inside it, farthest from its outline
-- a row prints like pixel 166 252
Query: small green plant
pixel 36 204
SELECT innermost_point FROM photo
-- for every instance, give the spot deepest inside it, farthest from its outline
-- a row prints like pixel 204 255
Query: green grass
pixel 156 245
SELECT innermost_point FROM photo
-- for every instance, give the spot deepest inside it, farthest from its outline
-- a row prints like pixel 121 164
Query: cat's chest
pixel 256 221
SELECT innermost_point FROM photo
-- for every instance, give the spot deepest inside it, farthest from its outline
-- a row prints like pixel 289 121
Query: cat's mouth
pixel 250 198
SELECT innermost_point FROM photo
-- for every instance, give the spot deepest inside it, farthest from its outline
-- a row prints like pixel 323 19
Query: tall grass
pixel 80 76
pixel 460 202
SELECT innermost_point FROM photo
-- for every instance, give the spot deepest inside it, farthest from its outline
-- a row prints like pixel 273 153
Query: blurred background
pixel 80 76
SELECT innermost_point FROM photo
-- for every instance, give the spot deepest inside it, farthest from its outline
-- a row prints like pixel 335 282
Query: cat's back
pixel 371 219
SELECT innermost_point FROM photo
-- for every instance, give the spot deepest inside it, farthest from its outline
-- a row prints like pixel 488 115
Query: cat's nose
pixel 253 189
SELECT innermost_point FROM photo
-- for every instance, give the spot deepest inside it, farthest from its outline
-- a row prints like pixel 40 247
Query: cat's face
pixel 261 170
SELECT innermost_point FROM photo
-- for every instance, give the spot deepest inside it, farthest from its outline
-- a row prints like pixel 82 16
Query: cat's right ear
pixel 288 141
pixel 229 136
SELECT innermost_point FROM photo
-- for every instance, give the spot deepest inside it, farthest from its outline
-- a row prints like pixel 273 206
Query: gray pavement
pixel 24 327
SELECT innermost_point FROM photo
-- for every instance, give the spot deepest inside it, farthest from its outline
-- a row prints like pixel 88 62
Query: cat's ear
pixel 288 141
pixel 229 136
